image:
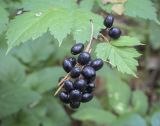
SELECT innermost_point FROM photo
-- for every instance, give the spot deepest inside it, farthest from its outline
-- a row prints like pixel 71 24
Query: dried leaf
pixel 118 8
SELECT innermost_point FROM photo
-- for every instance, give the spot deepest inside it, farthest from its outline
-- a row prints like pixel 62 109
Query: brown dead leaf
pixel 118 8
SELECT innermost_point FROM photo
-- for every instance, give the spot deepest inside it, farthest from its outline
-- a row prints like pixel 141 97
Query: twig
pixel 91 37
pixel 88 49
pixel 105 38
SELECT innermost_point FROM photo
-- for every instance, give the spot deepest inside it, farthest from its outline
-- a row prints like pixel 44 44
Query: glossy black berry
pixel 108 21
pixel 61 78
pixel 75 95
pixel 97 64
pixel 77 48
pixel 86 97
pixel 84 58
pixel 72 60
pixel 63 96
pixel 88 72
pixel 90 87
pixel 114 33
pixel 75 72
pixel 80 84
pixel 67 65
pixel 68 85
pixel 75 105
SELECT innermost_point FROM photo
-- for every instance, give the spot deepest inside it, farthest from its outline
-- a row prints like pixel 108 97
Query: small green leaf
pixel 126 41
pixel 121 57
pixel 130 120
pixel 44 79
pixel 3 19
pixel 78 22
pixel 154 31
pixel 140 102
pixel 155 120
pixel 14 98
pixel 119 94
pixel 134 8
pixel 96 115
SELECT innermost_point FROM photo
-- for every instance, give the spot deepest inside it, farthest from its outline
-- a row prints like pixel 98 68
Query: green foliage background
pixel 33 45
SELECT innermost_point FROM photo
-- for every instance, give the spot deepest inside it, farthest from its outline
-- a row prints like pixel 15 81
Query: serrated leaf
pixel 130 120
pixel 121 58
pixel 147 11
pixel 8 67
pixel 139 102
pixel 45 79
pixel 14 98
pixel 155 119
pixel 126 41
pixel 34 53
pixel 3 19
pixel 99 116
pixel 55 20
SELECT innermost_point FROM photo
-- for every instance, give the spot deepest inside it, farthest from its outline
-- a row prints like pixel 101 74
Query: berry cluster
pixel 113 32
pixel 82 73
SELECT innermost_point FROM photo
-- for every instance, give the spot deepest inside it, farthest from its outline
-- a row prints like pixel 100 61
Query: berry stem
pixel 105 38
pixel 88 49
pixel 91 37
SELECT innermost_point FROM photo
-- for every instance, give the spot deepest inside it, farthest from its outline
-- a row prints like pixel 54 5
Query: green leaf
pixel 96 115
pixel 47 113
pixel 14 97
pixel 121 57
pixel 44 79
pixel 126 41
pixel 45 4
pixel 155 120
pixel 130 120
pixel 87 4
pixel 35 52
pixel 3 19
pixel 11 71
pixel 140 102
pixel 55 20
pixel 134 8
pixel 154 31
pixel 119 94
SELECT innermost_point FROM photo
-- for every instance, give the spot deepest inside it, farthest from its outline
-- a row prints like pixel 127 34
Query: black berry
pixel 97 64
pixel 75 72
pixel 75 95
pixel 67 65
pixel 75 105
pixel 90 87
pixel 84 58
pixel 80 84
pixel 86 97
pixel 88 72
pixel 77 48
pixel 114 33
pixel 64 97
pixel 68 85
pixel 72 60
pixel 108 21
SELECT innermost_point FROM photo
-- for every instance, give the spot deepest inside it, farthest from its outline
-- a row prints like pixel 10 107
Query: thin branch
pixel 91 37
